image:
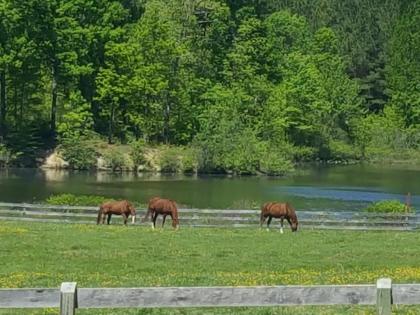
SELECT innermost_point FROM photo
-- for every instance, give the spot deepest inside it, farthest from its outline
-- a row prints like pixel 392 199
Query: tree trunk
pixel 3 105
pixel 53 100
pixel 111 125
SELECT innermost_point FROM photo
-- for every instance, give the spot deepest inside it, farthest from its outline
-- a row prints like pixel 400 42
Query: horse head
pixel 174 209
pixel 293 222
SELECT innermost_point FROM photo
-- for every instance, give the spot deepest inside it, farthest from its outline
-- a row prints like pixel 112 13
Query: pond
pixel 332 188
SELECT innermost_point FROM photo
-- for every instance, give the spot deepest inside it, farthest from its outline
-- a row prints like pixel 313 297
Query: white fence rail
pixel 69 298
pixel 218 218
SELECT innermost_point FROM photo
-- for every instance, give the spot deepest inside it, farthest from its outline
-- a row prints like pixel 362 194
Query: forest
pixel 242 86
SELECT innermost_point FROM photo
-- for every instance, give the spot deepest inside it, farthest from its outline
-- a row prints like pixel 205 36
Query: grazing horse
pixel 279 210
pixel 164 207
pixel 123 207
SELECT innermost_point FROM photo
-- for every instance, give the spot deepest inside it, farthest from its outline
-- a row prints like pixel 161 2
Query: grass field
pixel 46 254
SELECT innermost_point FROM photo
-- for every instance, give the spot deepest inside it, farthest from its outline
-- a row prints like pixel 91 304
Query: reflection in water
pixel 320 188
pixel 53 175
pixel 342 194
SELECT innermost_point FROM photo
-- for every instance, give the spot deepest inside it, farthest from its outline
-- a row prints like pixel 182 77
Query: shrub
pixel 273 163
pixel 116 159
pixel 389 206
pixel 76 200
pixel 189 160
pixel 170 160
pixel 341 151
pixel 78 154
pixel 7 157
pixel 137 152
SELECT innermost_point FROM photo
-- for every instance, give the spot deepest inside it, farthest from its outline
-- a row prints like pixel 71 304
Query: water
pixel 335 188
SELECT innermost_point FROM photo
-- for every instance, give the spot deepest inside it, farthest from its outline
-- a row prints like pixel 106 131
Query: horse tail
pixel 149 210
pixel 174 211
pixel 263 210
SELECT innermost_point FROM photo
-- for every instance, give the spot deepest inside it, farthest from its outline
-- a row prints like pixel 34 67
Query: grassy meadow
pixel 46 254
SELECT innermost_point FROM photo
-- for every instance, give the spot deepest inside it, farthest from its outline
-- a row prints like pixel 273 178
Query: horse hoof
pixel 281 231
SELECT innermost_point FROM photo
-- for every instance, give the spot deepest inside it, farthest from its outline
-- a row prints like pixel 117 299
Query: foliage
pixel 77 121
pixel 117 160
pixel 170 160
pixel 389 206
pixel 137 152
pixel 7 157
pixel 190 160
pixel 314 77
pixel 76 200
pixel 79 154
pixel 274 162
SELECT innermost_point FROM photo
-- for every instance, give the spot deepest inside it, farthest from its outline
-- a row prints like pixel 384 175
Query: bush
pixel 389 206
pixel 341 151
pixel 78 154
pixel 7 157
pixel 189 160
pixel 273 163
pixel 116 159
pixel 76 200
pixel 170 160
pixel 137 153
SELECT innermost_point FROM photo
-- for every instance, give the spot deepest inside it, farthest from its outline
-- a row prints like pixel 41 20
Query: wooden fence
pixel 218 218
pixel 68 298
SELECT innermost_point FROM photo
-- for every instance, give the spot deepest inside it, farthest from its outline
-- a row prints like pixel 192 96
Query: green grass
pixel 389 206
pixel 45 254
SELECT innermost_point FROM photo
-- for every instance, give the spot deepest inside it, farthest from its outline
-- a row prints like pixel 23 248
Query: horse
pixel 279 210
pixel 123 207
pixel 164 207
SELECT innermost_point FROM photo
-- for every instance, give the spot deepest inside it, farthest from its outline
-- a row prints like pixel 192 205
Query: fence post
pixel 383 296
pixel 68 298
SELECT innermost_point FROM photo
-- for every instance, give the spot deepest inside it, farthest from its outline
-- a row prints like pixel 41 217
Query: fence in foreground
pixel 69 298
pixel 218 218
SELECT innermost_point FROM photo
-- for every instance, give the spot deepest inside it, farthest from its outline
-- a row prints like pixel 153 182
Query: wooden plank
pixel 29 298
pixel 47 213
pixel 68 298
pixel 226 296
pixel 46 220
pixel 406 294
pixel 222 225
pixel 45 206
pixel 210 218
pixel 383 296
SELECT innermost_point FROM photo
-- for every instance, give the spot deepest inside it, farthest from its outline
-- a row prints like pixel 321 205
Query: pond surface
pixel 333 188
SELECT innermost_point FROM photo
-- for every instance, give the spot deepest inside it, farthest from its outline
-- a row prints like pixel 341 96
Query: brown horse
pixel 164 207
pixel 279 210
pixel 123 207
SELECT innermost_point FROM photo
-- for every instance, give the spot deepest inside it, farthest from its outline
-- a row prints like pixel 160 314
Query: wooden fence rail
pixel 69 297
pixel 219 218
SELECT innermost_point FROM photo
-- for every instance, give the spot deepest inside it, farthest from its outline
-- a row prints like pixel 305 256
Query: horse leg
pixel 104 215
pixel 124 217
pixel 262 219
pixel 268 222
pixel 281 225
pixel 163 220
pixel 109 218
pixel 155 215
